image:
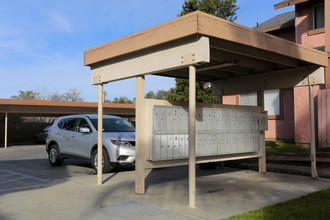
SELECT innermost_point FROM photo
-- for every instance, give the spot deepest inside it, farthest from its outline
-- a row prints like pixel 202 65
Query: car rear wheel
pixel 54 156
pixel 106 167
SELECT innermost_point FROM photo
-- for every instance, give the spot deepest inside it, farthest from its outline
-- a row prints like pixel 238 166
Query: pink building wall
pixel 304 23
pixel 301 113
pixel 282 128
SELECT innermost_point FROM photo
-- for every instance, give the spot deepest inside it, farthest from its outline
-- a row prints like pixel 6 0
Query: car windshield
pixel 114 125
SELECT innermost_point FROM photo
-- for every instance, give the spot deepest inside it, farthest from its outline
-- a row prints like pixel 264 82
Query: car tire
pixel 54 156
pixel 105 159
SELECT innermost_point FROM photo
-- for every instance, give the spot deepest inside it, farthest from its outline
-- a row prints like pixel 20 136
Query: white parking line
pixel 18 181
pixel 21 174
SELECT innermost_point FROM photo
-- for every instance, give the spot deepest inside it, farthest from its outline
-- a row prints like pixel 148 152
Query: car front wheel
pixel 106 167
pixel 54 156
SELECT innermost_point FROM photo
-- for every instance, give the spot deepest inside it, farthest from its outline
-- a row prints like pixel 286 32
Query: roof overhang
pixel 17 107
pixel 288 3
pixel 220 50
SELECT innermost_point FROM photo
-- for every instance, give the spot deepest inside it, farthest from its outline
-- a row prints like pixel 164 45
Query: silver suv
pixel 75 136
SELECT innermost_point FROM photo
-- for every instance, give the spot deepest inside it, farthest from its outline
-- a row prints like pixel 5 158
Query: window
pixel 272 101
pixel 69 124
pixel 318 17
pixel 82 123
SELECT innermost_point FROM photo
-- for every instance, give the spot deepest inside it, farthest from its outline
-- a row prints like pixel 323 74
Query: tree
pixel 225 9
pixel 72 95
pixel 122 100
pixel 25 95
pixel 181 92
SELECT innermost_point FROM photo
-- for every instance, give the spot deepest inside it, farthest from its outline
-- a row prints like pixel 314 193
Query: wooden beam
pixel 171 56
pixel 289 3
pixel 172 30
pixel 192 136
pixel 100 135
pixel 256 41
pixel 245 61
pixel 254 52
pixel 262 159
pixel 140 136
pixel 266 81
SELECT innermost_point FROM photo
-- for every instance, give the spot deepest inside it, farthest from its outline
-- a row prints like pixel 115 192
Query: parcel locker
pixel 156 148
pixel 170 150
pixel 176 147
pixel 163 147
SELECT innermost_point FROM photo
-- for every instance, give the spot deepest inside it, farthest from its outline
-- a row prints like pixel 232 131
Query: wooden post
pixel 139 138
pixel 312 130
pixel 6 130
pixel 100 135
pixel 262 159
pixel 192 137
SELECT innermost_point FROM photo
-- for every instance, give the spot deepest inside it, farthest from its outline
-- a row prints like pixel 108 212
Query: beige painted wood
pixel 100 135
pixel 172 30
pixel 140 136
pixel 6 130
pixel 171 56
pixel 203 24
pixel 291 2
pixel 192 137
pixel 216 158
pixel 312 132
pixel 262 159
pixel 267 81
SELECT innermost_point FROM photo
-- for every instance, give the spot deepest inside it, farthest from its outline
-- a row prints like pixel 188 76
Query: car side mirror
pixel 84 130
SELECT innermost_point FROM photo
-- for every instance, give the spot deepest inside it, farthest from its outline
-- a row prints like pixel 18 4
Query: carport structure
pixel 43 108
pixel 199 46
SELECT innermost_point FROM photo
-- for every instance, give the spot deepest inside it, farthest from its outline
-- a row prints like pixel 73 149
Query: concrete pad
pixel 69 193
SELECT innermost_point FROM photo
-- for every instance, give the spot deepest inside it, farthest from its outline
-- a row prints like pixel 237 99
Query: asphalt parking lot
pixel 32 189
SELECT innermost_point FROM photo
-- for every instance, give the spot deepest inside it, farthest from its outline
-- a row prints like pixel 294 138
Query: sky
pixel 42 43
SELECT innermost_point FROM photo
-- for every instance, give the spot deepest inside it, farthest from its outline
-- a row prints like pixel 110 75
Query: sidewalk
pixel 220 194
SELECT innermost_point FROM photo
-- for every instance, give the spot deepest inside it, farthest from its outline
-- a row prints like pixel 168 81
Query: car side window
pixel 69 124
pixel 82 123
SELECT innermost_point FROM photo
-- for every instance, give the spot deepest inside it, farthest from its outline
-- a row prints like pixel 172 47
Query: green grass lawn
pixel 280 147
pixel 312 206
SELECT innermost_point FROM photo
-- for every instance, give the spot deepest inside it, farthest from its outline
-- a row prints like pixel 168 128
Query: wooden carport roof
pixel 230 51
pixel 215 50
pixel 17 107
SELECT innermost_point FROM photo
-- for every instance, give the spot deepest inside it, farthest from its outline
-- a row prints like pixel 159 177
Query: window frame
pixel 314 14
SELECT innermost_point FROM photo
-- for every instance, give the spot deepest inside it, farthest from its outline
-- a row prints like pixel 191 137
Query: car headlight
pixel 121 143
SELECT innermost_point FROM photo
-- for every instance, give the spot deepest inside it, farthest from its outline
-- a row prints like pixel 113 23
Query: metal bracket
pixel 189 58
pixel 96 79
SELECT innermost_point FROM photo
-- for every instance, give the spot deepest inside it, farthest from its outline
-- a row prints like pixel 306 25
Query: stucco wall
pixel 304 23
pixel 301 113
pixel 283 128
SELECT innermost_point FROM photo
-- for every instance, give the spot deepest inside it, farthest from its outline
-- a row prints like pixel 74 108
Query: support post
pixel 6 130
pixel 312 130
pixel 139 138
pixel 192 137
pixel 262 159
pixel 100 134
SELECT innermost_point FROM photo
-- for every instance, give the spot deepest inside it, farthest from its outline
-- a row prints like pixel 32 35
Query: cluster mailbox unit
pixel 223 130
